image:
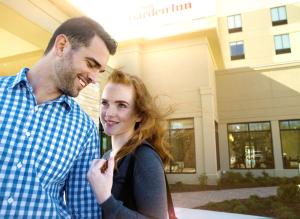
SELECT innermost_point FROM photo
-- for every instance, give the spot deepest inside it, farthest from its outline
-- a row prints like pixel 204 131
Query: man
pixel 46 141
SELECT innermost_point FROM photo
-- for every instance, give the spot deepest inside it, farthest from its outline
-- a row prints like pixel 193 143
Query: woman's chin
pixel 108 133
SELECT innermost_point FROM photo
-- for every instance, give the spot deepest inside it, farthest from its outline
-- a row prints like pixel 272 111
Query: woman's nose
pixel 110 111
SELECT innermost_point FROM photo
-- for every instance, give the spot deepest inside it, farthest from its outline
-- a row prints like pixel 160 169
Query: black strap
pixel 170 202
pixel 129 175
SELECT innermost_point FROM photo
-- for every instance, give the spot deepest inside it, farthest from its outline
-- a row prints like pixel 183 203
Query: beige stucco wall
pixel 259 94
pixel 258 34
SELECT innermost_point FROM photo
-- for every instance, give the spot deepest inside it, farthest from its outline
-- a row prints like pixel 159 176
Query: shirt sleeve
pixel 149 190
pixel 80 199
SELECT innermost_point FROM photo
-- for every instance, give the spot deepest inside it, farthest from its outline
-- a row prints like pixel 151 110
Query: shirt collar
pixel 21 78
pixel 67 101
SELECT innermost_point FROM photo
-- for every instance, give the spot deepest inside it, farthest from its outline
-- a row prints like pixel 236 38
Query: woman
pixel 136 188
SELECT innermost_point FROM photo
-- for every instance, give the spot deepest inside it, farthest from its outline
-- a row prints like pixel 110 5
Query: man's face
pixel 78 68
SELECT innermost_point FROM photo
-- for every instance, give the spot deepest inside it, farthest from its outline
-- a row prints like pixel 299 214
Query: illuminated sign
pixel 147 18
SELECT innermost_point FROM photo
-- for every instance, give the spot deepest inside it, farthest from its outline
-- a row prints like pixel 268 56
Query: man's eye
pixel 89 64
pixel 104 103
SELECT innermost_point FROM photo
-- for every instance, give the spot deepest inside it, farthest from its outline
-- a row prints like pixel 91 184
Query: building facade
pixel 234 85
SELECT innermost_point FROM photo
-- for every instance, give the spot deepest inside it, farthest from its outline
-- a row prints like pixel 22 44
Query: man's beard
pixel 66 76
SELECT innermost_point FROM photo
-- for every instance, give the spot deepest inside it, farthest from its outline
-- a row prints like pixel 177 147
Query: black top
pixel 144 194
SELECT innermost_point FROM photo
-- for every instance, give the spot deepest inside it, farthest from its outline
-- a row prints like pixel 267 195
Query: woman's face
pixel 118 116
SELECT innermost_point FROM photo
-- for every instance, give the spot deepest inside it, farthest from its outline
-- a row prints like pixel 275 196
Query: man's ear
pixel 61 43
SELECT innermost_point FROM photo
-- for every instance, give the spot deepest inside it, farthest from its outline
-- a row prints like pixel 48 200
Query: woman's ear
pixel 138 118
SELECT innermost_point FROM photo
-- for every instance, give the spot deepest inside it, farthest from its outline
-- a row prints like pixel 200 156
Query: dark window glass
pixel 217 145
pixel 290 143
pixel 237 50
pixel 182 142
pixel 251 147
pixel 105 140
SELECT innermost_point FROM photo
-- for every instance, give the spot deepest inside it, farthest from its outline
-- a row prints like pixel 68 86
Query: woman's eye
pixel 122 105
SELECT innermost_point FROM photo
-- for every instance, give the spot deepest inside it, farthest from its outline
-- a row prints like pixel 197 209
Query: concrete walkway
pixel 196 199
pixel 186 213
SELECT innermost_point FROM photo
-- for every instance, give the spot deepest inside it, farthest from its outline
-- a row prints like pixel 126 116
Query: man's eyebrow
pixel 95 62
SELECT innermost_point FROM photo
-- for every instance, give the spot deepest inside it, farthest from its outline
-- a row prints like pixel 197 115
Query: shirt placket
pixel 22 155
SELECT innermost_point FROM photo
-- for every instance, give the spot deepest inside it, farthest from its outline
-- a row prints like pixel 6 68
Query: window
pixel 182 142
pixel 105 140
pixel 234 23
pixel 278 16
pixel 217 145
pixel 290 143
pixel 282 44
pixel 237 50
pixel 250 145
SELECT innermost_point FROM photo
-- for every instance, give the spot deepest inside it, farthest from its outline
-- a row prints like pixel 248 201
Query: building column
pixel 209 140
pixel 278 169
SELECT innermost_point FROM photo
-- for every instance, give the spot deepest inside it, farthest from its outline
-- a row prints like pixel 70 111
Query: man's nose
pixel 93 76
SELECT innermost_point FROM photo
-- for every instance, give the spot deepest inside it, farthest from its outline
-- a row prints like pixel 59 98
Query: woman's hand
pixel 101 178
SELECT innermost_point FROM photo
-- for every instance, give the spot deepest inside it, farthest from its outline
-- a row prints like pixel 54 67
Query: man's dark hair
pixel 80 31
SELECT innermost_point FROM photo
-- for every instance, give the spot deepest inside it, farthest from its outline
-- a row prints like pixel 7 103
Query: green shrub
pixel 253 203
pixel 226 206
pixel 288 193
pixel 236 179
pixel 203 180
pixel 231 178
pixel 250 178
pixel 295 180
pixel 240 209
pixel 284 212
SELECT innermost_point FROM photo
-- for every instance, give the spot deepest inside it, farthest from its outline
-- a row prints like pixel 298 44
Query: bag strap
pixel 129 174
pixel 170 202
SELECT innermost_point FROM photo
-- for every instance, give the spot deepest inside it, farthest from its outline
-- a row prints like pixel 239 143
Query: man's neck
pixel 41 80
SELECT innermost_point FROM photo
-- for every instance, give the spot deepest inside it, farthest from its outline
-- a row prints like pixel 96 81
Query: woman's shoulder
pixel 146 153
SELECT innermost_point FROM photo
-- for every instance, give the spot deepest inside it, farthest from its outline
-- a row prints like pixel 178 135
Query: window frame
pixel 239 56
pixel 249 131
pixel 168 170
pixel 285 120
pixel 282 50
pixel 235 27
pixel 279 21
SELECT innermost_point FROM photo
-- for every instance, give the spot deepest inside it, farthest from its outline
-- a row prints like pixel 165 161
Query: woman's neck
pixel 118 141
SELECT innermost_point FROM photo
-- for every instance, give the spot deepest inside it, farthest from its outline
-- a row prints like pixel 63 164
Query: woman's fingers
pixel 110 165
pixel 100 177
pixel 102 165
pixel 96 166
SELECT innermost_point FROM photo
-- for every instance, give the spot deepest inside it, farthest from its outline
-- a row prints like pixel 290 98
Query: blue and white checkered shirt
pixel 45 152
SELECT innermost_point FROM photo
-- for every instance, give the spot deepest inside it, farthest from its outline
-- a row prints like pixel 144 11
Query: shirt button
pixel 10 200
pixel 28 134
pixel 19 165
pixel 36 108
